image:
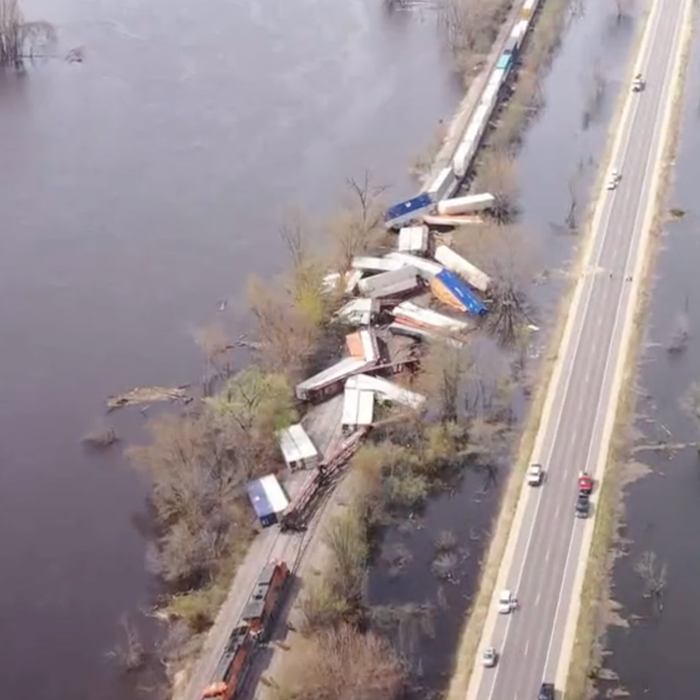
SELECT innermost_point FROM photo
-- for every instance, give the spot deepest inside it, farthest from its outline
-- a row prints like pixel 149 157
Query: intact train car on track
pixel 254 628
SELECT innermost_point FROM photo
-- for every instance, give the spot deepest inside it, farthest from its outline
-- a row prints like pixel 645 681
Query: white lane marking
pixel 546 556
pixel 537 600
pixel 633 243
pixel 527 647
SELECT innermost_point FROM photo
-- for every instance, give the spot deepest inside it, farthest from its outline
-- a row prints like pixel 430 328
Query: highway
pixel 541 568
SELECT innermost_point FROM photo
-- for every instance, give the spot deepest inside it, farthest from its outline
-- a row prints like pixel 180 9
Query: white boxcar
pixel 427 269
pixel 298 450
pixel 456 263
pixel 411 313
pixel 412 239
pixel 390 283
pixel 367 262
pixel 443 185
pixel 490 94
pixel 385 389
pixel 359 312
pixel 358 408
pixel 519 31
pixel 331 379
pixel 466 205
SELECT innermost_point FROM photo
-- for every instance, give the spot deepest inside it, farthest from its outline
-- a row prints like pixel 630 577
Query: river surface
pixel 558 150
pixel 136 190
pixel 654 653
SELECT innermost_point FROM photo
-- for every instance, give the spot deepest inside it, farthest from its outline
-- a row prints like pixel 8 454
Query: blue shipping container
pixel 462 292
pixel 261 503
pixel 408 209
pixel 504 61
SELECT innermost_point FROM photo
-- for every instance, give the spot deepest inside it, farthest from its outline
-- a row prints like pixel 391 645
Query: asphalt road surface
pixel 549 542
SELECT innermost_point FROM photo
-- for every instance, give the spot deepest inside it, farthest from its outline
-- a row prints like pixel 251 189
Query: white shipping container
pixel 427 269
pixel 456 263
pixel 409 331
pixel 390 283
pixel 489 93
pixel 358 408
pixel 297 448
pixel 386 389
pixel 412 239
pixel 443 185
pixel 428 317
pixel 330 376
pixel 374 264
pixel 359 312
pixel 519 31
pixel 465 205
pixel 469 220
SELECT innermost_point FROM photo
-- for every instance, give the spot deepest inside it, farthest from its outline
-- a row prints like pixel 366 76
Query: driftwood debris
pixel 147 394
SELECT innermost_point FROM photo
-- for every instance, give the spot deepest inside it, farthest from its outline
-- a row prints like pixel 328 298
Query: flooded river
pixel 136 190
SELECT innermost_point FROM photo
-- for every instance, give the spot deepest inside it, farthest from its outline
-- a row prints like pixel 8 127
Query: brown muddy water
pixel 654 656
pixel 560 149
pixel 136 190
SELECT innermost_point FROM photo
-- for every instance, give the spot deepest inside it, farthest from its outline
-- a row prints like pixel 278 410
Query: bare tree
pixel 506 254
pixel 469 28
pixel 444 377
pixel 596 96
pixel 358 227
pixel 130 654
pixel 215 347
pixel 680 334
pixel 18 37
pixel 623 10
pixel 652 574
pixel 496 173
pixel 342 663
pixel 286 337
pixel 198 467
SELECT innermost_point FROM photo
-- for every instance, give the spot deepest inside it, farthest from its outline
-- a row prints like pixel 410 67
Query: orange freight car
pixel 263 604
pixel 230 673
pixel 254 628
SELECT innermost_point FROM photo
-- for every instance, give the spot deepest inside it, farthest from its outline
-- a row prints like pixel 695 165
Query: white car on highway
pixel 535 475
pixel 489 657
pixel 638 83
pixel 506 602
pixel 614 179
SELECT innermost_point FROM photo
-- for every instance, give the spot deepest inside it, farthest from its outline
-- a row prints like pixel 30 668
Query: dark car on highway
pixel 583 505
pixel 546 692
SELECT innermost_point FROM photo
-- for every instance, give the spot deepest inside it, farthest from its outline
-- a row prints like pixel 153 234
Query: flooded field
pixel 560 154
pixel 653 653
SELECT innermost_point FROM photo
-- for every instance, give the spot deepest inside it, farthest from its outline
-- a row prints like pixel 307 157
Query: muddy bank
pixel 651 653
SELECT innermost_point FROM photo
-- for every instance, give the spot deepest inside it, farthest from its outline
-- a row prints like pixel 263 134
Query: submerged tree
pixel 19 38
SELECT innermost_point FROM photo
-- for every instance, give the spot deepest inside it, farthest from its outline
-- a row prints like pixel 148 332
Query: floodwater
pixel 655 656
pixel 136 190
pixel 559 149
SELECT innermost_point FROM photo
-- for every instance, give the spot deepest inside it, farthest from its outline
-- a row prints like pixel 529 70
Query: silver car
pixel 489 657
